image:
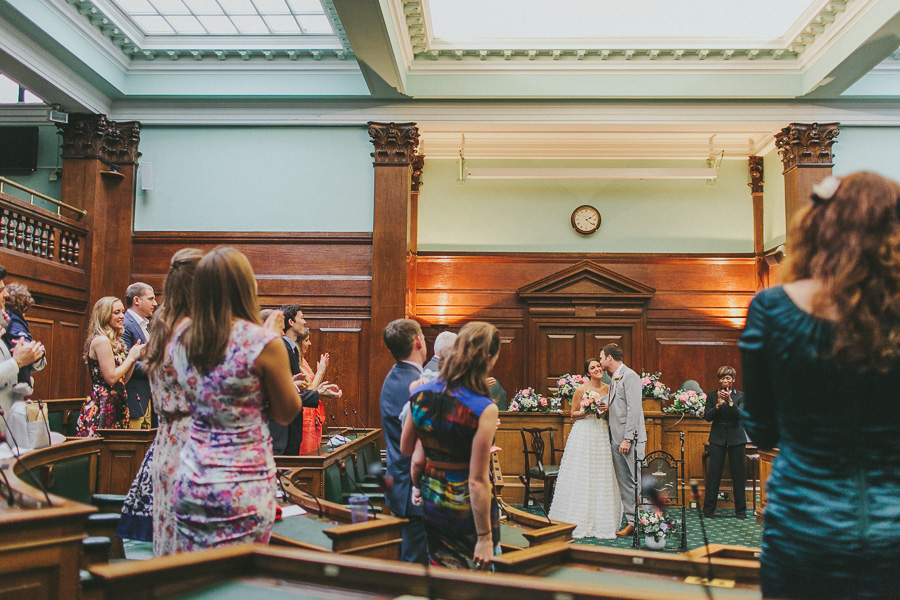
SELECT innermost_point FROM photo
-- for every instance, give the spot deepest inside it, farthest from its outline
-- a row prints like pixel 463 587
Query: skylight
pixel 228 17
pixel 654 23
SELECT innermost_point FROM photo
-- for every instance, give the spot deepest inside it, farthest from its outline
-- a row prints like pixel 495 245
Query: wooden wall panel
pixel 695 354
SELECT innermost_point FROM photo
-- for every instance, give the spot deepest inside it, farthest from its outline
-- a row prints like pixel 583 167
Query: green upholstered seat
pixel 549 471
pixel 333 491
pixel 690 384
pixel 71 479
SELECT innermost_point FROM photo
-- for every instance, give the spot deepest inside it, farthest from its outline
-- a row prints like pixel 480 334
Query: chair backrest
pixel 691 384
pixel 534 446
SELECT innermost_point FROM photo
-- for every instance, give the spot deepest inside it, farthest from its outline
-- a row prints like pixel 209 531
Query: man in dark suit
pixel 404 339
pixel 726 436
pixel 286 438
pixel 141 302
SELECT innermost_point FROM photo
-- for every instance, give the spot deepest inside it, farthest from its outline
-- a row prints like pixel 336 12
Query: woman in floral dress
pixel 147 513
pixel 233 372
pixel 110 366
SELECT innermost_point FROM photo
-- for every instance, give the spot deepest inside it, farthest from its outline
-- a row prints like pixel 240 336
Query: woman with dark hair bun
pixel 455 419
pixel 821 362
pixel 587 493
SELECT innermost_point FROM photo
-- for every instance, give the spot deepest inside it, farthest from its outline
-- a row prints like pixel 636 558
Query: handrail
pixel 58 203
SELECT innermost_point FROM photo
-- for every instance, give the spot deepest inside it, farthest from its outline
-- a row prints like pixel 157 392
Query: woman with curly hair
pixel 821 361
pixel 110 366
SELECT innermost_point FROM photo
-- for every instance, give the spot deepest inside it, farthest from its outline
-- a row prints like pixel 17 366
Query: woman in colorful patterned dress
pixel 110 366
pixel 147 513
pixel 232 371
pixel 455 419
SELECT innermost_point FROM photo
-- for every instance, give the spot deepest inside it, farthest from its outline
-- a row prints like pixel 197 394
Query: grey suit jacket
pixel 9 371
pixel 626 413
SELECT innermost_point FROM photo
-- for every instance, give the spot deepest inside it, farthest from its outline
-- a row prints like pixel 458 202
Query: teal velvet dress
pixel 832 521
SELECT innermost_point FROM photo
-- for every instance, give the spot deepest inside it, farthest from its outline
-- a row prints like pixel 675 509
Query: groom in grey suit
pixel 626 419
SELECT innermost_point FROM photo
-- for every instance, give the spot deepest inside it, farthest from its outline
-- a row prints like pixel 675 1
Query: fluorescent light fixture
pixel 626 173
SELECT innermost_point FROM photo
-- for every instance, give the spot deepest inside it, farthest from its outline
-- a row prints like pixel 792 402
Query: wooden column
pixel 806 155
pixel 395 148
pixel 756 193
pixel 418 164
pixel 93 147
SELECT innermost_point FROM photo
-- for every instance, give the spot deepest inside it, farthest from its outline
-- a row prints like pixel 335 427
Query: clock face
pixel 586 219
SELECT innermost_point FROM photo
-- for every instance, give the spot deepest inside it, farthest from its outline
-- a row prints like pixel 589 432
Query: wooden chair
pixel 533 447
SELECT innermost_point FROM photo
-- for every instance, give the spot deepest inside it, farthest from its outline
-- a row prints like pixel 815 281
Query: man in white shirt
pixel 141 302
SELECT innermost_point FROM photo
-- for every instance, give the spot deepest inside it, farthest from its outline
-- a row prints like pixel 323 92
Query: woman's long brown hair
pixel 176 305
pixel 224 290
pixel 467 363
pixel 850 243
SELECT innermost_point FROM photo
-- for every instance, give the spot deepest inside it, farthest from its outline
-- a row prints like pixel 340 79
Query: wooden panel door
pixel 596 338
pixel 560 351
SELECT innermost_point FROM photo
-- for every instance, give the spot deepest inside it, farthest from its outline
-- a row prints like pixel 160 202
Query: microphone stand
pixel 46 424
pixel 299 489
pixel 695 495
pixel 635 538
pixel 20 463
pixel 358 420
pixel 342 467
pixel 350 421
pixel 319 436
pixel 8 431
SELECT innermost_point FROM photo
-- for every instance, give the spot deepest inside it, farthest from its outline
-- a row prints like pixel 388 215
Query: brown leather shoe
pixel 625 531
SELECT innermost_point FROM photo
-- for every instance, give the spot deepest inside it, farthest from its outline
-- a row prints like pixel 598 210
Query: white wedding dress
pixel 587 494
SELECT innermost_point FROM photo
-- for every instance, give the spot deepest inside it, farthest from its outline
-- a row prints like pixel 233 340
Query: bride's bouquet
pixel 687 402
pixel 590 403
pixel 528 400
pixel 566 386
pixel 653 387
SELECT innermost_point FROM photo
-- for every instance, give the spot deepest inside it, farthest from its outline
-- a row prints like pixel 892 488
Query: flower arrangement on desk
pixel 657 524
pixel 590 403
pixel 653 387
pixel 566 386
pixel 528 400
pixel 687 402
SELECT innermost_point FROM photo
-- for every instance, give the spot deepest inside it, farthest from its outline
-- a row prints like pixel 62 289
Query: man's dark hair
pixel 614 352
pixel 399 336
pixel 290 314
pixel 3 272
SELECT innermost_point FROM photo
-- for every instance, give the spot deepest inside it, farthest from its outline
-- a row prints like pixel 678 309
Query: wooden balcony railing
pixel 37 232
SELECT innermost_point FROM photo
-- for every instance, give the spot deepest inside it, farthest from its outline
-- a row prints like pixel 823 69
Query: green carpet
pixel 724 529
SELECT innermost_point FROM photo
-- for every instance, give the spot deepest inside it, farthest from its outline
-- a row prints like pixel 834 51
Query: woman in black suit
pixel 726 436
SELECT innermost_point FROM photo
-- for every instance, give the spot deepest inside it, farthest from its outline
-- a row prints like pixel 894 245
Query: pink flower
pixel 543 401
pixel 657 385
pixel 526 392
pixel 561 382
pixel 513 406
pixel 645 381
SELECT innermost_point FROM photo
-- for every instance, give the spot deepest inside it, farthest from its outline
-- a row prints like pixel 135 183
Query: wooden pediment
pixel 585 282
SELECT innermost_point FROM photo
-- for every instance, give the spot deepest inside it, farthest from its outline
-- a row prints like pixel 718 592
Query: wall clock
pixel 586 219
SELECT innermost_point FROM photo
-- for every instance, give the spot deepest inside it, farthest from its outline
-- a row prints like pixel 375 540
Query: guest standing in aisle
pixel 726 438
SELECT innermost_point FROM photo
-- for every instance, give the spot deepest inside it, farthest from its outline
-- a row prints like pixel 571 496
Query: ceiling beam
pixel 369 36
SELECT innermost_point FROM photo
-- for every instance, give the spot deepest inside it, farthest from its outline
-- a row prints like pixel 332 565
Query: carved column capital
pixel 418 164
pixel 756 175
pixel 802 143
pixel 95 136
pixel 395 143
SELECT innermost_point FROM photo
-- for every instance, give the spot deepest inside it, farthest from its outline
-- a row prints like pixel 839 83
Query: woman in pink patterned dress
pixel 235 375
pixel 110 366
pixel 169 401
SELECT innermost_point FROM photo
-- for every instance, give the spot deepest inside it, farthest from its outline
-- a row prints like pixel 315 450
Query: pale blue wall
pixel 256 179
pixel 774 230
pixel 48 160
pixel 868 149
pixel 534 215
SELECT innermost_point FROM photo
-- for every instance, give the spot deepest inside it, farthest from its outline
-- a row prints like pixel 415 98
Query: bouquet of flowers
pixel 528 400
pixel 567 384
pixel 687 402
pixel 590 403
pixel 653 387
pixel 656 523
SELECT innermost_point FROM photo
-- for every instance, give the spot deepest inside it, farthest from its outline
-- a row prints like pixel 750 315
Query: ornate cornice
pixel 801 143
pixel 395 143
pixel 756 175
pixel 94 136
pixel 418 164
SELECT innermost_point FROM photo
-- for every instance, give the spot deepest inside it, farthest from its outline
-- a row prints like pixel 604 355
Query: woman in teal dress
pixel 821 363
pixel 455 419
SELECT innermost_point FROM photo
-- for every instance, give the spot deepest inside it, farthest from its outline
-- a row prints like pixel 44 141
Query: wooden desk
pixel 40 545
pixel 333 529
pixel 247 571
pixel 121 455
pixel 766 458
pixel 622 571
pixel 520 529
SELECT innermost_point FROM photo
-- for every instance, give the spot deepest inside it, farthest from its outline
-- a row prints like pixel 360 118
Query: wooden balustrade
pixel 37 232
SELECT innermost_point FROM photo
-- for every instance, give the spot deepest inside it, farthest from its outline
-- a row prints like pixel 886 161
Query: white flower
pixel 826 188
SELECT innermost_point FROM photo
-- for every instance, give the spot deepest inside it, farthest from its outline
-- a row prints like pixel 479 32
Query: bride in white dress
pixel 587 494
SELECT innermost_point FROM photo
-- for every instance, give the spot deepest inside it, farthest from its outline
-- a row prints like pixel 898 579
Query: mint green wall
pixel 39 181
pixel 868 149
pixel 534 215
pixel 256 179
pixel 774 229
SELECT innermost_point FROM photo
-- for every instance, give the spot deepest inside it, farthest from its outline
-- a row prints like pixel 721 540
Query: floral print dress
pixel 107 405
pixel 225 483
